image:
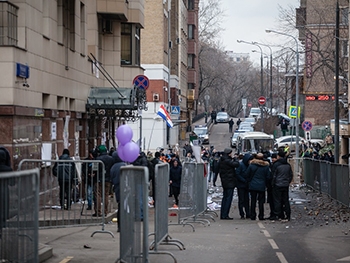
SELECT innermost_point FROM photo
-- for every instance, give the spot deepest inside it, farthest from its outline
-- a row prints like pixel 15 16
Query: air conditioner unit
pixel 155 97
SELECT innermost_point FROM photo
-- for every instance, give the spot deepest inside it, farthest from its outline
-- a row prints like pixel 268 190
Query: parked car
pixel 250 120
pixel 222 116
pixel 255 113
pixel 244 124
pixel 281 142
pixel 233 140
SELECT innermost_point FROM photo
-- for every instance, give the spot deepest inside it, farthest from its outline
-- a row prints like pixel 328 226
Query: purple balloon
pixel 124 134
pixel 131 151
pixel 120 152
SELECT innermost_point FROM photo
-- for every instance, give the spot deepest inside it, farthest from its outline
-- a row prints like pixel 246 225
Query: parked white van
pixel 254 142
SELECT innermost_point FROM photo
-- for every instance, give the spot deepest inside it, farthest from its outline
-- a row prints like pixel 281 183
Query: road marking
pixel 266 233
pixel 281 257
pixel 261 225
pixel 67 259
pixel 273 243
pixel 344 259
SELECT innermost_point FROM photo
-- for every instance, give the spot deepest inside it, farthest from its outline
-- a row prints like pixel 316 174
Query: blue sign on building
pixel 22 71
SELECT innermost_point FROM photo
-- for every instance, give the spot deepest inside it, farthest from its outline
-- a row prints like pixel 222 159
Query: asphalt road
pixel 319 232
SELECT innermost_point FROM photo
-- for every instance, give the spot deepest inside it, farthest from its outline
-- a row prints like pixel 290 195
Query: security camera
pixel 26 85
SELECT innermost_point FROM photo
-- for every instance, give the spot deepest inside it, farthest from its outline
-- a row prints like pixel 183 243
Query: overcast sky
pixel 247 20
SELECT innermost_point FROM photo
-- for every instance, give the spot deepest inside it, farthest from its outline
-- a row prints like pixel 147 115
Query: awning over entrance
pixel 120 102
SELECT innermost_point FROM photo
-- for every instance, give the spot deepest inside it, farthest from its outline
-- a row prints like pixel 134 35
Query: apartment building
pixel 169 57
pixel 316 23
pixel 61 60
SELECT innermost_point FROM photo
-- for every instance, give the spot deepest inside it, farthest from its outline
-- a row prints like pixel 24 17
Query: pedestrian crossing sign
pixel 175 109
pixel 293 112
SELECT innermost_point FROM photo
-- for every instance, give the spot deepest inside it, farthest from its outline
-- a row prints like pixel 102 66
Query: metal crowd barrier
pixel 19 192
pixel 193 194
pixel 329 178
pixel 161 235
pixel 134 214
pixel 74 213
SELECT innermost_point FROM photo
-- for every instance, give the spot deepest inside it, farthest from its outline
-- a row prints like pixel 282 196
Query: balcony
pixel 131 11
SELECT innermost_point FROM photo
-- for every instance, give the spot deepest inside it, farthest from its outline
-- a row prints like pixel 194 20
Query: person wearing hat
pixel 108 162
pixel 269 186
pixel 242 186
pixel 257 174
pixel 281 178
pixel 227 170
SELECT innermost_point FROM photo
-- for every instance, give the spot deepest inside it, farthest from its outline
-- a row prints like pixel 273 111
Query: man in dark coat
pixel 5 166
pixel 66 175
pixel 257 174
pixel 108 162
pixel 282 177
pixel 115 176
pixel 175 181
pixel 242 187
pixel 227 167
pixel 230 125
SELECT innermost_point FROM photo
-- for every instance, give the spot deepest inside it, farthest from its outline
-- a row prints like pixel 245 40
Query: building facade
pixel 169 57
pixel 52 53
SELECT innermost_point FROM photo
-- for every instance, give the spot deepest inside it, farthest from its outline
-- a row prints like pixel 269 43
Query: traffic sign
pixel 306 125
pixel 141 81
pixel 175 110
pixel 262 100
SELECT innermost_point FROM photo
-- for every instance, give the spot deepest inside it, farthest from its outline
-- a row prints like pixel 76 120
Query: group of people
pixel 313 150
pixel 253 175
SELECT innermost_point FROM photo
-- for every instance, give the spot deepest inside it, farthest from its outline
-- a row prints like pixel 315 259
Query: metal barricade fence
pixel 161 234
pixel 19 192
pixel 62 202
pixel 133 214
pixel 328 178
pixel 193 194
pixel 187 197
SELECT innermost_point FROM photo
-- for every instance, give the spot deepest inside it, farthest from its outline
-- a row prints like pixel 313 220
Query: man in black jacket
pixel 108 162
pixel 282 177
pixel 227 168
pixel 66 174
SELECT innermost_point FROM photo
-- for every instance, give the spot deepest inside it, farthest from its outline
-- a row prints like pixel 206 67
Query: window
pixel 126 44
pixel 344 48
pixel 190 31
pixel 82 28
pixel 130 44
pixel 8 24
pixel 344 16
pixel 190 61
pixel 190 4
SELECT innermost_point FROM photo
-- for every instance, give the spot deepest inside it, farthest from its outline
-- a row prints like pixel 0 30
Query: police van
pixel 202 134
pixel 254 142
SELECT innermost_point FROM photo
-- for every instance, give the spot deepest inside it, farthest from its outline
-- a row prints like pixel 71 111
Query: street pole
pixel 336 97
pixel 261 78
pixel 271 104
pixel 296 96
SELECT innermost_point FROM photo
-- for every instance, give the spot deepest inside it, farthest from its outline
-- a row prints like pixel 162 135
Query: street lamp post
pixel 270 72
pixel 261 77
pixel 296 95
